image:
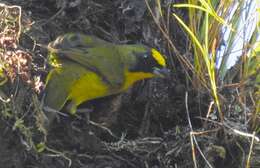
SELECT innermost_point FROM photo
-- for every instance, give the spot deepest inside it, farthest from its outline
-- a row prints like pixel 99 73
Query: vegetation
pixel 205 115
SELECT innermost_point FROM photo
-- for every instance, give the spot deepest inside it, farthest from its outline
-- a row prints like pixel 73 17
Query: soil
pixel 149 125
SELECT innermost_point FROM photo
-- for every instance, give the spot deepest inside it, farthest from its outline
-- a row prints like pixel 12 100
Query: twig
pixel 245 134
pixel 250 152
pixel 193 150
pixel 209 110
pixel 193 138
pixel 51 110
pixel 233 130
pixel 104 128
pixel 59 154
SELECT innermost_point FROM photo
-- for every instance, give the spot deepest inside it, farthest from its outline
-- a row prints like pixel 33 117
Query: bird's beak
pixel 162 73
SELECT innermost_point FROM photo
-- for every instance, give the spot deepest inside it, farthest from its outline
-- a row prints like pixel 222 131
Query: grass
pixel 207 21
pixel 230 125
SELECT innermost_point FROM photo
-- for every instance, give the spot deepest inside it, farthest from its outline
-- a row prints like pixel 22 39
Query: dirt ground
pixel 151 128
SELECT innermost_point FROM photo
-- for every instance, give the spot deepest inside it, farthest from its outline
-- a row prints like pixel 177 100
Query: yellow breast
pixel 91 86
pixel 132 77
pixel 88 87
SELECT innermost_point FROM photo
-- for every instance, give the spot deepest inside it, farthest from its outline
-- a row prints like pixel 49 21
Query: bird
pixel 85 67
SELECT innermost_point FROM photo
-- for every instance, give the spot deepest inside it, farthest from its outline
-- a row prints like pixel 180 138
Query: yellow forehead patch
pixel 158 57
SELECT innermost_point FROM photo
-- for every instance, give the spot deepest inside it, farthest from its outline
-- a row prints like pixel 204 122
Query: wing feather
pixel 59 82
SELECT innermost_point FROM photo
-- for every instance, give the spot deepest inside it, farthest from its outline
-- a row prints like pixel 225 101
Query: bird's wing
pixel 103 60
pixel 75 40
pixel 59 82
pixel 91 52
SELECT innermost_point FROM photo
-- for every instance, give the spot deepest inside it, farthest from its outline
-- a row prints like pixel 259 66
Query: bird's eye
pixel 146 54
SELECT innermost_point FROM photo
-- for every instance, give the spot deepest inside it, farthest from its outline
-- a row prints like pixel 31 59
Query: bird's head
pixel 148 61
pixel 143 62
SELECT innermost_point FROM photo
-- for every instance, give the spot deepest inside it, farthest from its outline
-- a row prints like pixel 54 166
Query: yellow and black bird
pixel 86 67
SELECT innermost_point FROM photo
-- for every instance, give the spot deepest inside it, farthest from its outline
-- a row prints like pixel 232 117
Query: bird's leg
pixel 50 115
pixel 72 109
pixel 87 112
